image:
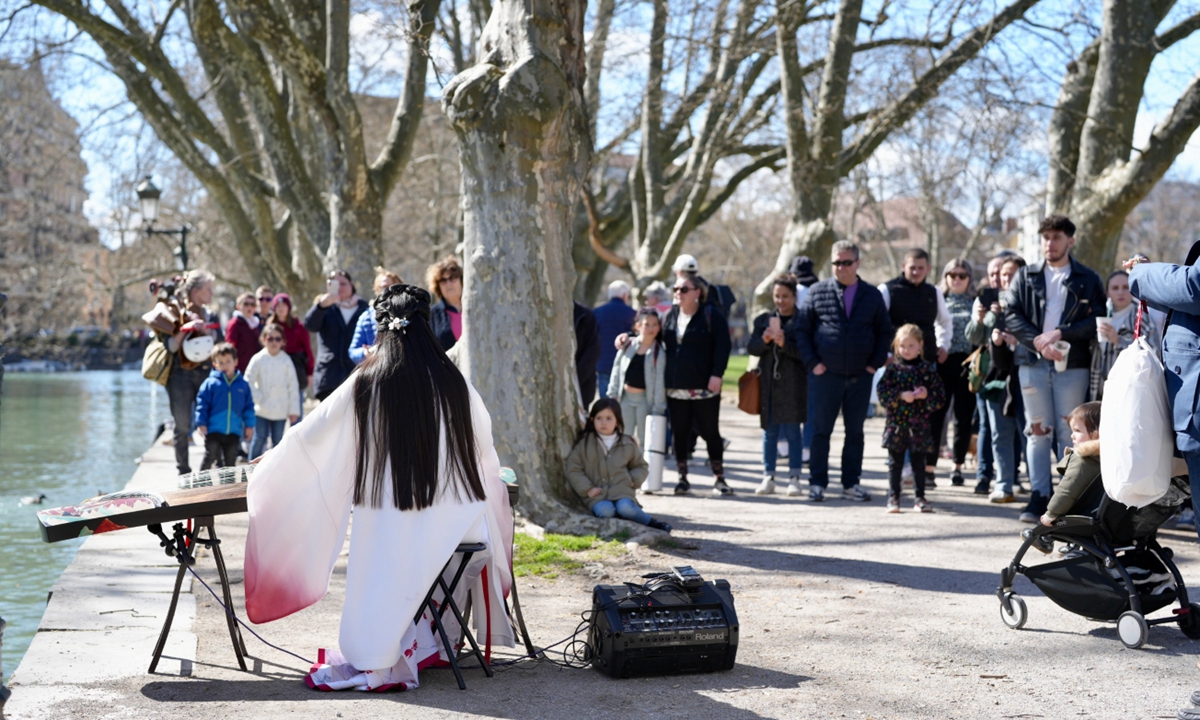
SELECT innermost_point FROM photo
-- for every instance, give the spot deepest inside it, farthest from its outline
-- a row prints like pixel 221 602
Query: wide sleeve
pixel 299 506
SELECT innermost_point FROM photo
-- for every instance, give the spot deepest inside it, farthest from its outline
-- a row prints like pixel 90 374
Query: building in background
pixel 51 261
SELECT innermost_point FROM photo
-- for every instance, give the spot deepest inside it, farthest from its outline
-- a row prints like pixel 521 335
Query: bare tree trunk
pixel 522 130
pixel 1095 177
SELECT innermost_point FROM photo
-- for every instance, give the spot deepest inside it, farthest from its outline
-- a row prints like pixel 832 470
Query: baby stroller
pixel 1114 569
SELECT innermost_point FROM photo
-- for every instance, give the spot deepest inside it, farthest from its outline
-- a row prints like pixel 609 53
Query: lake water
pixel 69 436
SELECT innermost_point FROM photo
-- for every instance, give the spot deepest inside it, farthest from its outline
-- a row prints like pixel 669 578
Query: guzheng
pixel 201 494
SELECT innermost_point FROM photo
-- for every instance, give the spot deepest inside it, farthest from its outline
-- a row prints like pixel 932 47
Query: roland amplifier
pixel 667 631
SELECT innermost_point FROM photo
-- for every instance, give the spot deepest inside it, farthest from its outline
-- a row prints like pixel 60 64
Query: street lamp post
pixel 148 196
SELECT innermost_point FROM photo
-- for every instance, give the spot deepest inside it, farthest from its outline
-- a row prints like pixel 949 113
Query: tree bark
pixel 522 129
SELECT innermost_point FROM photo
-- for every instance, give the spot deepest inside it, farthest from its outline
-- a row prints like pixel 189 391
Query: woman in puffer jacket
pixel 275 388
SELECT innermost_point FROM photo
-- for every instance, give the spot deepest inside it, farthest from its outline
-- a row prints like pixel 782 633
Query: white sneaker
pixel 794 487
pixel 767 487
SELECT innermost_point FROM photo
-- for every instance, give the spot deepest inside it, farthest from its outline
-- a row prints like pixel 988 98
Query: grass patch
pixel 556 554
pixel 733 371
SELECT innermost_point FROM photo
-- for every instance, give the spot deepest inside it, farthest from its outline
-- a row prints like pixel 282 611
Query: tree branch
pixel 771 160
pixel 900 111
pixel 397 150
pixel 1177 33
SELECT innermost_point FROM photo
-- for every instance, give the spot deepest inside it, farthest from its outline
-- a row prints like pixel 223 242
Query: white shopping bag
pixel 1137 434
pixel 656 451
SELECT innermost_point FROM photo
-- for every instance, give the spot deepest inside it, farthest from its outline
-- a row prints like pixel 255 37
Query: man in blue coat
pixel 614 318
pixel 843 334
pixel 1175 289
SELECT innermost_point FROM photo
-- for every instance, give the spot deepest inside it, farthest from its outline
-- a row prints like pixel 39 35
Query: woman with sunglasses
pixel 445 280
pixel 243 329
pixel 697 340
pixel 959 291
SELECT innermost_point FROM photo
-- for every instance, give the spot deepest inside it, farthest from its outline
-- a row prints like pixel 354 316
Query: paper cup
pixel 1063 347
pixel 1102 322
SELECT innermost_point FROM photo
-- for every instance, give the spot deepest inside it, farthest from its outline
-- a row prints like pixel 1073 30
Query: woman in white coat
pixel 638 379
pixel 407 443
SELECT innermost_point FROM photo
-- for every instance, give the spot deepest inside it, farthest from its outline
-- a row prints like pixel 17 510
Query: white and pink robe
pixel 300 499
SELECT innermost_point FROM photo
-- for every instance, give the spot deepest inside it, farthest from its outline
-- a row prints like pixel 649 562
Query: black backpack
pixel 722 297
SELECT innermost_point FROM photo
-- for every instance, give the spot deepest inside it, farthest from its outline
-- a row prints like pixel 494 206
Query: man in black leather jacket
pixel 1049 303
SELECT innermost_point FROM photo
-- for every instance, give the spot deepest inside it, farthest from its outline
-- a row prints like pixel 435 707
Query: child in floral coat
pixel 910 390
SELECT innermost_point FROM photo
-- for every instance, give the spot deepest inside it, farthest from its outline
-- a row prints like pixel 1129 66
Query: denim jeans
pixel 1004 450
pixel 830 394
pixel 985 456
pixel 791 432
pixel 265 429
pixel 1193 463
pixel 808 427
pixel 602 383
pixel 634 409
pixel 625 507
pixel 1049 397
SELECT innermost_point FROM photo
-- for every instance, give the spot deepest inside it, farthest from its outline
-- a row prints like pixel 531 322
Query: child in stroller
pixel 1116 569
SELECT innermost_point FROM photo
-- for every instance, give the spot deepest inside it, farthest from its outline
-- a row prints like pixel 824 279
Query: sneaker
pixel 660 525
pixel 720 487
pixel 983 487
pixel 999 496
pixel 956 478
pixel 794 487
pixel 1028 517
pixel 856 493
pixel 683 487
pixel 767 487
pixel 816 493
pixel 893 505
pixel 922 505
pixel 1192 713
pixel 1187 520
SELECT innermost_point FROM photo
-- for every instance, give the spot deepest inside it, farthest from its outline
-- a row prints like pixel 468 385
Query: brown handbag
pixel 750 393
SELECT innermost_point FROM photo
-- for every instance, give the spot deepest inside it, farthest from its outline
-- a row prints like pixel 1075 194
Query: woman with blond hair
pixel 364 330
pixel 445 281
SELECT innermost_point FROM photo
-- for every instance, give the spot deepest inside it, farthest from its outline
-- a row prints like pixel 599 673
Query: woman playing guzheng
pixel 407 443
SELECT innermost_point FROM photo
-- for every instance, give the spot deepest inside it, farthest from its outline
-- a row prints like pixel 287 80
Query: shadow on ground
pixel 518 692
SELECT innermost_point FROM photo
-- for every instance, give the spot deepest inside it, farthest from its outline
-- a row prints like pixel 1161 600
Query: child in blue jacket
pixel 224 409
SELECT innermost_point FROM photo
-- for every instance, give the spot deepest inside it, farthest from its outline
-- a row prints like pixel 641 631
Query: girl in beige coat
pixel 606 466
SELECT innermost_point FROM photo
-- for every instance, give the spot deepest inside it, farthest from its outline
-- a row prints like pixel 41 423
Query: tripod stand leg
pixel 166 628
pixel 516 606
pixel 235 634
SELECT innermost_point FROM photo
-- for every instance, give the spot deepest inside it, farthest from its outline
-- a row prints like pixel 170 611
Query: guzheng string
pixel 216 476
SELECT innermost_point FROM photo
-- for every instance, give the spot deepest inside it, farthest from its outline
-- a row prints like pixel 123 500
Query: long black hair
pixel 405 392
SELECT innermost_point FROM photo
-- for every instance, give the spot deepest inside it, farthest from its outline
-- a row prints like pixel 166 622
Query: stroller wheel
pixel 1017 614
pixel 1132 629
pixel 1190 623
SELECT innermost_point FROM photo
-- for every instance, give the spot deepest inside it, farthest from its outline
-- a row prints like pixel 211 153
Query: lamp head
pixel 148 195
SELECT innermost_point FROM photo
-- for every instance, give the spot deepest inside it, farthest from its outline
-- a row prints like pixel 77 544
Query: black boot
pixel 659 525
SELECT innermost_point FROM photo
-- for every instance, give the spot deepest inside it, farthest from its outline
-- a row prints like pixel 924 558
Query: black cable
pixel 239 620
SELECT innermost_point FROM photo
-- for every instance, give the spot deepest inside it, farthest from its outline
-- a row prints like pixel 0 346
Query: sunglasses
pixel 247 303
pixel 274 339
pixel 446 280
pixel 265 298
pixel 684 289
pixel 843 263
pixel 958 276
